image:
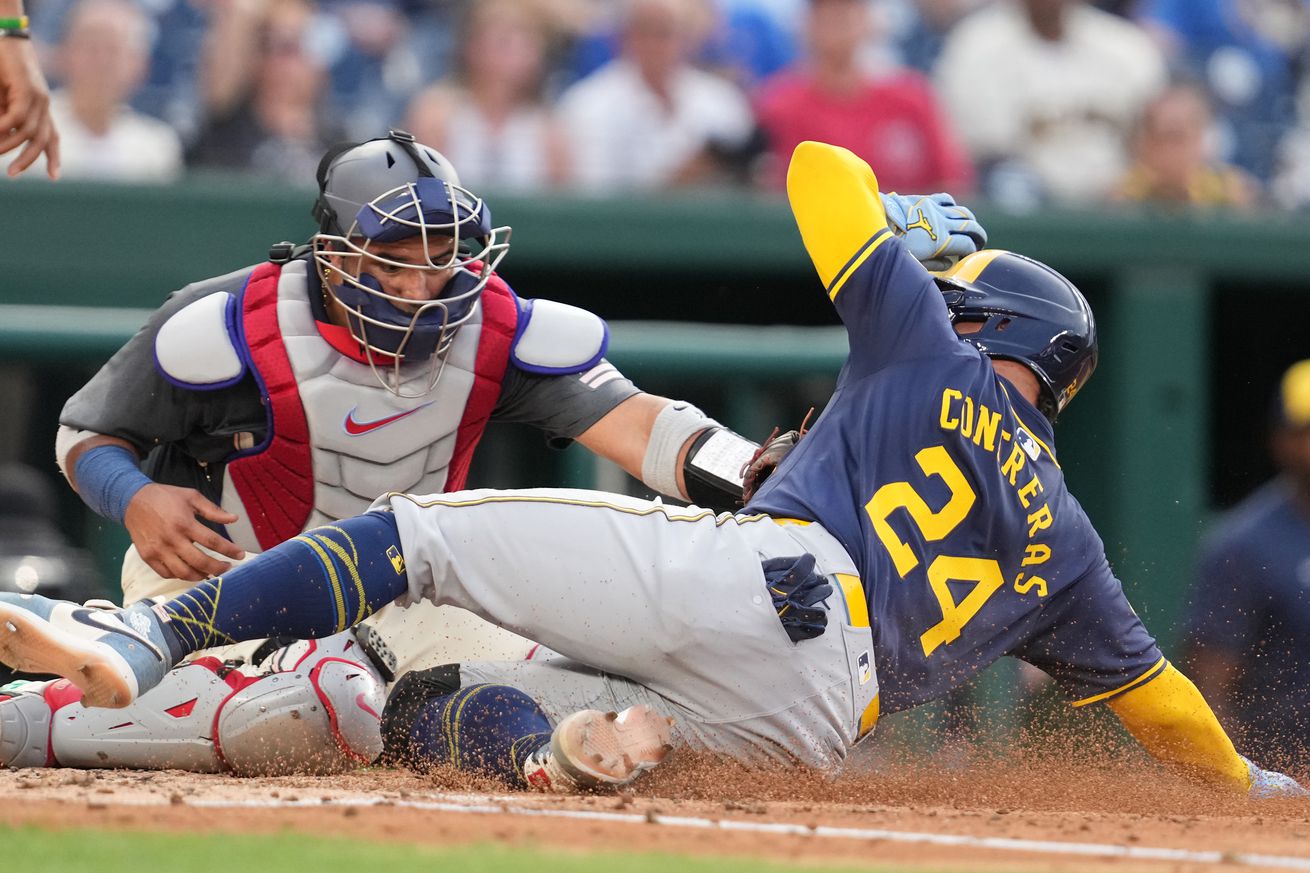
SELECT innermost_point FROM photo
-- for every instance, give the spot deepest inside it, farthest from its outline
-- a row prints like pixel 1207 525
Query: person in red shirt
pixel 891 118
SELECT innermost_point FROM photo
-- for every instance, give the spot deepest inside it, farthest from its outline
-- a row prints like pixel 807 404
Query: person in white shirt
pixel 650 119
pixel 489 117
pixel 103 59
pixel 1050 88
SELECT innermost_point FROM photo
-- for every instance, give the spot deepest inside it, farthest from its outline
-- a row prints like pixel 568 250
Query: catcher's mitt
pixel 767 457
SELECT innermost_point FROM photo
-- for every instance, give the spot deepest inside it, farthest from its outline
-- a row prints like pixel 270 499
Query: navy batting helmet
pixel 1028 313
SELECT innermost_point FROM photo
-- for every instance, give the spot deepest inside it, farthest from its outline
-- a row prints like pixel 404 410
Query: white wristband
pixel 675 424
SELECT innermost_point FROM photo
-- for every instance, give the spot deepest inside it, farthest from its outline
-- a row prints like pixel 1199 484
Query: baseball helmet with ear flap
pixel 389 190
pixel 1027 313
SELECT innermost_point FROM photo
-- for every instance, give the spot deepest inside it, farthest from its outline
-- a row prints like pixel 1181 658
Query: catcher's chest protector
pixel 337 439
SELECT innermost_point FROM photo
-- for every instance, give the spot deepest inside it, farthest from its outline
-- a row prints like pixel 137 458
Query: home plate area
pixel 1003 815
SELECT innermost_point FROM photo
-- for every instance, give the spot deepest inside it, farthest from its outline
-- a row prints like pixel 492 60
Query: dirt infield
pixel 1017 814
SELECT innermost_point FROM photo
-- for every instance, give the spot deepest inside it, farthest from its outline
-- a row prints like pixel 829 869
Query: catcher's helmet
pixel 383 191
pixel 1029 313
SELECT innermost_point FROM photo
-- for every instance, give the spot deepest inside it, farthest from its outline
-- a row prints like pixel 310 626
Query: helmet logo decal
pixel 355 427
pixel 924 224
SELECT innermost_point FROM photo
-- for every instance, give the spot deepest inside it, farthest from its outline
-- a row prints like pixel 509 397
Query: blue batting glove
pixel 1269 784
pixel 936 230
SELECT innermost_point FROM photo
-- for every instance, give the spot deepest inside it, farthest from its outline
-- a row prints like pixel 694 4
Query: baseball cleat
pixel 592 749
pixel 113 655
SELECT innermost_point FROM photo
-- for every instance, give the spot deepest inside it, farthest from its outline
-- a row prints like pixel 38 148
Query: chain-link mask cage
pixel 386 191
pixel 1028 313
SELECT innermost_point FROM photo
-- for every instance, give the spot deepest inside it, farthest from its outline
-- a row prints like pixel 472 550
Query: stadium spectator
pixel 891 119
pixel 102 58
pixel 919 28
pixel 263 79
pixel 1246 53
pixel 24 96
pixel 649 118
pixel 491 120
pixel 745 40
pixel 379 53
pixel 1248 628
pixel 1174 161
pixel 1044 93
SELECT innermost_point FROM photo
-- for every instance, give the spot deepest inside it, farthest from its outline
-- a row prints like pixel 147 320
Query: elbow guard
pixel 713 468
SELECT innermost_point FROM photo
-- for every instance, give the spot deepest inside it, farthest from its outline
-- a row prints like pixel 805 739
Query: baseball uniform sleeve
pixel 562 406
pixel 888 302
pixel 128 397
pixel 1091 641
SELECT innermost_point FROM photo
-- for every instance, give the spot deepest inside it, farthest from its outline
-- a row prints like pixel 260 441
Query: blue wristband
pixel 107 479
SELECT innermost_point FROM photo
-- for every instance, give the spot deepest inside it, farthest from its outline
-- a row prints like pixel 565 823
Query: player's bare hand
pixel 163 522
pixel 25 108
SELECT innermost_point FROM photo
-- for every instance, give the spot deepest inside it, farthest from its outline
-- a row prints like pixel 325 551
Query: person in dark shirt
pixel 1248 624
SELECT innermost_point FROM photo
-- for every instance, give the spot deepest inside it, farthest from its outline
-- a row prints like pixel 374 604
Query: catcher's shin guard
pixel 318 714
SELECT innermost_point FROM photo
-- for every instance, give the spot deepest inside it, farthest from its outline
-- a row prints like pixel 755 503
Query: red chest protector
pixel 275 480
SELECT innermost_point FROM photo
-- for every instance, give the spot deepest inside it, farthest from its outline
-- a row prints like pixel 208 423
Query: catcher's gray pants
pixel 651 603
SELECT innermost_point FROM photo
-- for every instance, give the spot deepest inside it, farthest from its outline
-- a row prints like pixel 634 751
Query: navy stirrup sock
pixel 486 729
pixel 315 585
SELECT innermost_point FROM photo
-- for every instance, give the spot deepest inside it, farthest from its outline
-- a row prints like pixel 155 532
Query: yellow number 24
pixel 934 526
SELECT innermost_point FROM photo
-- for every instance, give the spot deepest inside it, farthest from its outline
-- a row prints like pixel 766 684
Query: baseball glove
pixel 767 457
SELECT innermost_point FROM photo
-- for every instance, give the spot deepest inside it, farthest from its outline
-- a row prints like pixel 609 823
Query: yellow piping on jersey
pixel 878 239
pixel 1156 669
pixel 834 197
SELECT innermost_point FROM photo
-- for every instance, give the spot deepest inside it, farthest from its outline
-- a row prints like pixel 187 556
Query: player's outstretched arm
pixel 1171 719
pixel 674 448
pixel 834 197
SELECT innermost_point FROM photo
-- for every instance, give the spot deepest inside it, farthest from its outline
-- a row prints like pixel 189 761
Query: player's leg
pixel 671 599
pixel 313 586
pixel 484 718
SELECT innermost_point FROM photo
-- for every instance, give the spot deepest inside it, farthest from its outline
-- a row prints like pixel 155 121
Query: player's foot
pixel 113 655
pixel 593 749
pixel 24 725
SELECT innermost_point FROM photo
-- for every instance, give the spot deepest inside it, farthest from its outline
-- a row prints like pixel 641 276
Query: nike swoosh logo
pixel 98 620
pixel 363 704
pixel 355 427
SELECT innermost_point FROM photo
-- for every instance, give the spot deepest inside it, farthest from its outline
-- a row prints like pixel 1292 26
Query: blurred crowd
pixel 1021 102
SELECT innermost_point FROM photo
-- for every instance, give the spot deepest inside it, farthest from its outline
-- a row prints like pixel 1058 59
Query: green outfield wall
pixel 711 297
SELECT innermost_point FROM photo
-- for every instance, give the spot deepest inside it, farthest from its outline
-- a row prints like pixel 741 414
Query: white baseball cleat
pixel 113 655
pixel 593 749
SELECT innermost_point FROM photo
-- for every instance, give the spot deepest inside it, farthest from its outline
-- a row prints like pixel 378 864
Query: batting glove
pixel 1270 784
pixel 936 230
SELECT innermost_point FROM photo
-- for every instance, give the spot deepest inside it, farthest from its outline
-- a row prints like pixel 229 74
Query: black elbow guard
pixel 713 468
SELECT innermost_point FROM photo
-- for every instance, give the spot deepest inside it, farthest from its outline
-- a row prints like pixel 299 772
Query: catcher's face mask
pixel 408 273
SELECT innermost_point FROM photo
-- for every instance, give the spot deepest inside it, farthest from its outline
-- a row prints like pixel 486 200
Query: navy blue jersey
pixel 942 483
pixel 1251 605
